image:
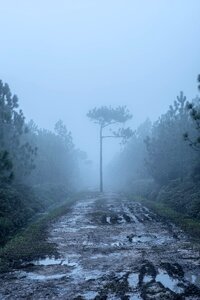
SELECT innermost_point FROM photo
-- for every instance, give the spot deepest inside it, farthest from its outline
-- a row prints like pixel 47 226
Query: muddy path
pixel 110 248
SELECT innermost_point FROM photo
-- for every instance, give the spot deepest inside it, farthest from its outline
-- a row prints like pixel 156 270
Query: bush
pixel 19 204
pixel 181 196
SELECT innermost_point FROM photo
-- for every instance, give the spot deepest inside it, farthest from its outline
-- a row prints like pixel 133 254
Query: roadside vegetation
pixel 31 243
pixel 187 223
pixel 39 169
pixel 161 164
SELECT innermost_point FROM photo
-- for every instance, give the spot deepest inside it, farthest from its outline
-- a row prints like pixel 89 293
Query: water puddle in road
pixel 50 261
pixel 147 278
pixel 108 220
pixel 90 295
pixel 117 244
pixel 121 220
pixel 80 274
pixel 133 280
pixel 134 297
pixel 35 276
pixel 142 239
pixel 113 297
pixel 88 227
pixel 169 282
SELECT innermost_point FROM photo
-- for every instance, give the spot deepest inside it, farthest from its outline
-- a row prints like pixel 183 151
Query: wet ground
pixel 110 248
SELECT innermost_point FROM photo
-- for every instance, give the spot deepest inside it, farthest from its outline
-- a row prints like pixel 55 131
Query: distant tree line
pixel 38 167
pixel 165 155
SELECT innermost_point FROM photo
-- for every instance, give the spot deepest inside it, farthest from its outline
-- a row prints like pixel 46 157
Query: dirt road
pixel 110 248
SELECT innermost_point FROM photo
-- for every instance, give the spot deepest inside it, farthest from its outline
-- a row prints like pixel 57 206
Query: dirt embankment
pixel 110 248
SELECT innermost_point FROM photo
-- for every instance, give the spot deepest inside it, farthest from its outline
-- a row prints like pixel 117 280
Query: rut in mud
pixel 110 248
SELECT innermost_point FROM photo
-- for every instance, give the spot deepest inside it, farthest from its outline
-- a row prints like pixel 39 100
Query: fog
pixel 100 149
pixel 63 58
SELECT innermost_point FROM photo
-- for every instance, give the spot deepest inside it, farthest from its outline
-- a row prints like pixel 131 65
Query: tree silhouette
pixel 106 116
pixel 194 110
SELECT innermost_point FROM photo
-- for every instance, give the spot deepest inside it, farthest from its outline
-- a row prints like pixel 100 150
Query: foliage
pixel 17 205
pixel 6 173
pixel 16 154
pixel 194 110
pixel 38 168
pixel 56 158
pixel 168 156
pixel 105 115
pixel 21 203
pixel 130 162
pixel 32 242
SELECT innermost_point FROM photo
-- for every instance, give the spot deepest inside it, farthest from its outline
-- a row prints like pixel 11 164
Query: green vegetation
pixel 39 169
pixel 22 204
pixel 161 164
pixel 31 243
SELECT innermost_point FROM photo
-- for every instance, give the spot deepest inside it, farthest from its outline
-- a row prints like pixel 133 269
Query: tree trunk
pixel 101 160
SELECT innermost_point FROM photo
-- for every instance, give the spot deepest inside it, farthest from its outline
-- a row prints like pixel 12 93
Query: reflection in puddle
pixel 169 282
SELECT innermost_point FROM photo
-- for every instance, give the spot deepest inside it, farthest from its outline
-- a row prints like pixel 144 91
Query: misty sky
pixel 64 57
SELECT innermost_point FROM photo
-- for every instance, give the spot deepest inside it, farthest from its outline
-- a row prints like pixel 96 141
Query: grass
pixel 31 243
pixel 189 225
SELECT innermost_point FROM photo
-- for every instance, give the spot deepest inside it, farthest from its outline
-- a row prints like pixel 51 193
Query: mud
pixel 110 248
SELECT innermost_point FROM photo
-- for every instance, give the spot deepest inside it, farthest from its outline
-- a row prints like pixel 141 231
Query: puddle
pixel 133 280
pixel 113 297
pixel 90 295
pixel 88 227
pixel 147 278
pixel 35 276
pixel 120 220
pixel 117 244
pixel 108 220
pixel 80 274
pixel 48 262
pixel 169 282
pixel 142 239
pixel 53 261
pixel 86 243
pixel 134 297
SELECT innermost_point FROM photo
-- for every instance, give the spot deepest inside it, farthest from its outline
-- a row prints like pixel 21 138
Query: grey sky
pixel 64 57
